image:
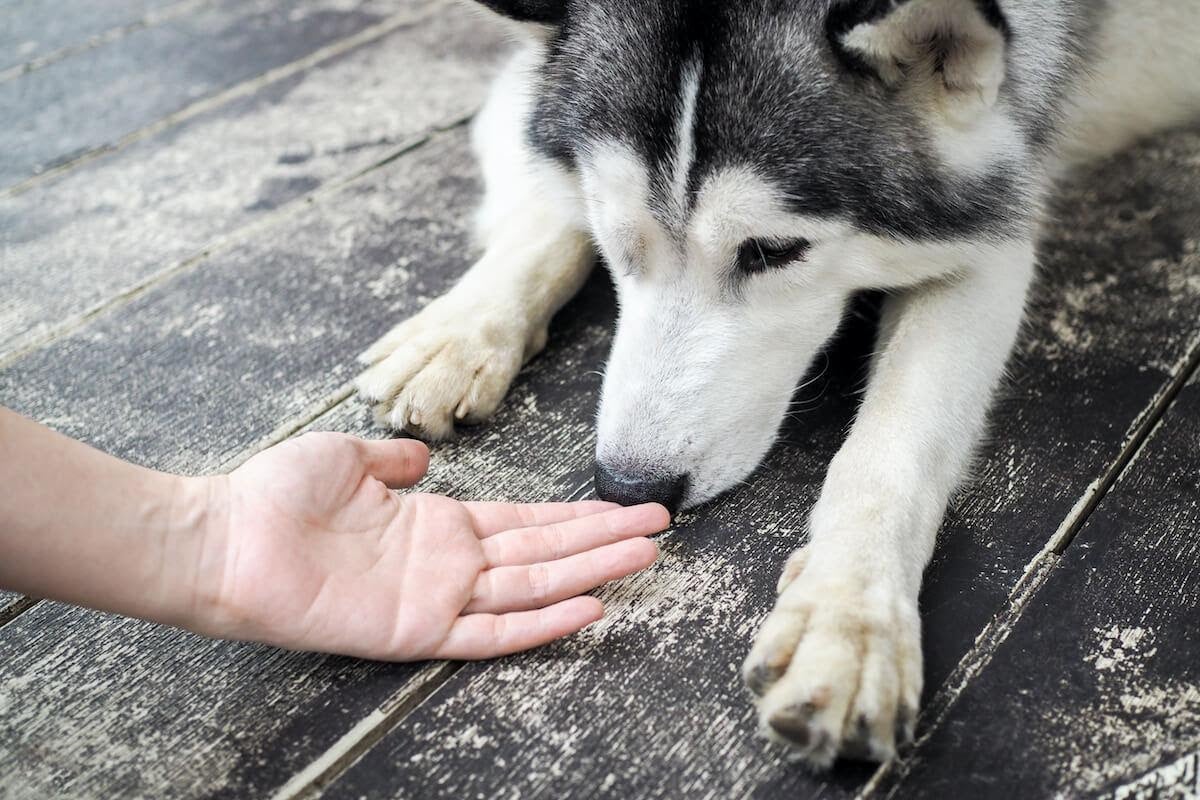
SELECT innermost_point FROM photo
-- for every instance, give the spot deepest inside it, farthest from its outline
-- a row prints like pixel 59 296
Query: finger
pixel 519 588
pixel 561 539
pixel 476 636
pixel 493 518
pixel 397 462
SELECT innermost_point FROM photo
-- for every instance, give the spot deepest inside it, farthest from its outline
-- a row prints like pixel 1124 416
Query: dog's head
pixel 747 166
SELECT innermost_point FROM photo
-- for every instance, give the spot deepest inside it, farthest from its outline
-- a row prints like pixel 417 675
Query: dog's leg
pixel 454 361
pixel 837 664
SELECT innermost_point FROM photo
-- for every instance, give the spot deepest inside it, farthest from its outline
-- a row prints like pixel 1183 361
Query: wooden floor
pixel 208 207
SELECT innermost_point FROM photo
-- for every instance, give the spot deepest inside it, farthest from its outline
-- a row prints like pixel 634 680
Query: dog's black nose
pixel 630 489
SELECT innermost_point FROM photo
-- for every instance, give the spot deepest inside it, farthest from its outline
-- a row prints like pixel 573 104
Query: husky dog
pixel 744 168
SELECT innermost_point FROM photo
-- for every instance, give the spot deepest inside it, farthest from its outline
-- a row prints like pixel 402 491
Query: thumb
pixel 397 462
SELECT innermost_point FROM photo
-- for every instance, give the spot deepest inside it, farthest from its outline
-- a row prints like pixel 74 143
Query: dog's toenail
pixel 904 725
pixel 858 745
pixel 761 677
pixel 792 724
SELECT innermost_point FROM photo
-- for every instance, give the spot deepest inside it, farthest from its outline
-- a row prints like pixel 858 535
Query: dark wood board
pixel 186 378
pixel 649 703
pixel 77 244
pixel 92 100
pixel 1097 689
pixel 31 31
pixel 197 370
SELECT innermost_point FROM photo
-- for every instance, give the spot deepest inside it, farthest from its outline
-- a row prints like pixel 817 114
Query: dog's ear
pixel 543 12
pixel 950 52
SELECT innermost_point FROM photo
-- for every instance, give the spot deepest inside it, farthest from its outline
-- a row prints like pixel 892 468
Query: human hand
pixel 307 548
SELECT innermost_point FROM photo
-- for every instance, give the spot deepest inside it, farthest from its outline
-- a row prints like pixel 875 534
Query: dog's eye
pixel 757 255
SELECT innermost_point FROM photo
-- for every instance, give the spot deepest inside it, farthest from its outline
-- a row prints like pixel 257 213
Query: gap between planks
pixel 16 608
pixel 314 778
pixel 234 92
pixel 156 17
pixel 890 776
pixel 1143 428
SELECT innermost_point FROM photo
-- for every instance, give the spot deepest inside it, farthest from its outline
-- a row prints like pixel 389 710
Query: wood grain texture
pixel 186 378
pixel 648 703
pixel 1097 689
pixel 69 247
pixel 90 101
pixel 9 603
pixel 31 31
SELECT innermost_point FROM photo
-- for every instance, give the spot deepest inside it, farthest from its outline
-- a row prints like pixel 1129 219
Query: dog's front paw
pixel 452 362
pixel 837 666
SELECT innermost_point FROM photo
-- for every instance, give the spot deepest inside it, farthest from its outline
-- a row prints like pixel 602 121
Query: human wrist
pixel 83 527
pixel 194 551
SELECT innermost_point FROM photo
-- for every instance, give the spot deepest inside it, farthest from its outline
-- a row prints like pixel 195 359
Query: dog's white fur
pixel 699 384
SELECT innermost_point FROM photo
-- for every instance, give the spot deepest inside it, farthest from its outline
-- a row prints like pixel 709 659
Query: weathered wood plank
pixel 92 705
pixel 85 103
pixel 70 246
pixel 32 31
pixel 649 702
pixel 186 375
pixel 1097 688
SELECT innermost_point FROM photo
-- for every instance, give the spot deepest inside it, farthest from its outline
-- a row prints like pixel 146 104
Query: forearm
pixel 83 527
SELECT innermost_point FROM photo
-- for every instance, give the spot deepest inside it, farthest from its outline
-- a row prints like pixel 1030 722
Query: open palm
pixel 315 552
